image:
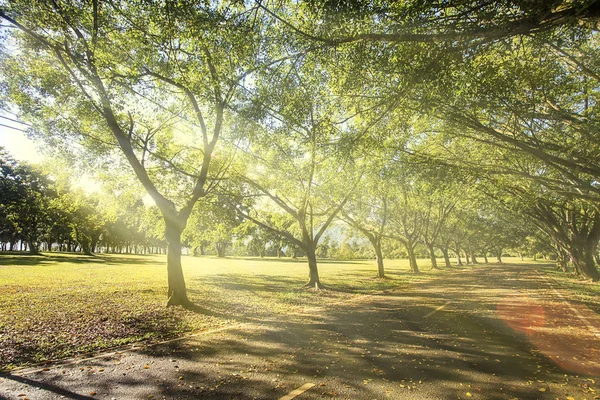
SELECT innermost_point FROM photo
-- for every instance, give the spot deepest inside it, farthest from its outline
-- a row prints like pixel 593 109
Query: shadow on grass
pixel 281 284
pixel 366 348
pixel 300 260
pixel 362 347
pixel 26 259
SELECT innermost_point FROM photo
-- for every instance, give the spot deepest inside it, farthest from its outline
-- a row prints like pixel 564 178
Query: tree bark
pixel 378 255
pixel 446 257
pixel 412 259
pixel 313 270
pixel 473 259
pixel 432 255
pixel 485 259
pixel 458 260
pixel 583 258
pixel 33 247
pixel 499 256
pixel 220 249
pixel 561 260
pixel 177 291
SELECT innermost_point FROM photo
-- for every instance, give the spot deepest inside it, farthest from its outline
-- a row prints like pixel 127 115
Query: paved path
pixel 497 332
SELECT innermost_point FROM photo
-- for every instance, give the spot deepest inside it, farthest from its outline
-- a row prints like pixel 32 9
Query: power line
pixel 8 112
pixel 15 128
pixel 14 120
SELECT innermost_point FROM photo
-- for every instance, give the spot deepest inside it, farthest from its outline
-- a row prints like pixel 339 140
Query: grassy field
pixel 58 305
pixel 582 291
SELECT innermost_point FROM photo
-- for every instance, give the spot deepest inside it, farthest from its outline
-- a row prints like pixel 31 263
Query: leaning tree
pixel 150 84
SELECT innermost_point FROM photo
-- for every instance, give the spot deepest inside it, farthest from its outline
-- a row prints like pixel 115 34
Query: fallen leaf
pixel 468 394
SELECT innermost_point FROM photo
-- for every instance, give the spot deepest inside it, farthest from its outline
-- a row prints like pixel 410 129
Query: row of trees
pixel 41 210
pixel 288 113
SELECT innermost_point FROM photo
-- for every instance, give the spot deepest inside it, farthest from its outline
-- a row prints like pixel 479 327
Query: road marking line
pixel 436 310
pixel 587 323
pixel 298 391
pixel 131 347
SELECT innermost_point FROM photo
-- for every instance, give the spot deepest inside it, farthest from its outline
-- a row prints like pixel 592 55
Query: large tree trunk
pixel 473 259
pixel 412 259
pixel 378 255
pixel 561 260
pixel 220 249
pixel 583 258
pixel 458 260
pixel 485 259
pixel 499 256
pixel 313 270
pixel 33 247
pixel 446 257
pixel 432 255
pixel 177 292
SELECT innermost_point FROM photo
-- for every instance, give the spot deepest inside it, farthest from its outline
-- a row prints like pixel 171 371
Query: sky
pixel 15 141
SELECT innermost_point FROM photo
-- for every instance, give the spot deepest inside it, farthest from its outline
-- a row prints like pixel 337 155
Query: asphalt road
pixel 494 332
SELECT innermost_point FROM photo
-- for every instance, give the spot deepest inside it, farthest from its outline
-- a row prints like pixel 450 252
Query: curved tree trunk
pixel 177 292
pixel 583 259
pixel 446 257
pixel 561 260
pixel 313 270
pixel 432 255
pixel 412 259
pixel 378 255
pixel 458 260
pixel 473 259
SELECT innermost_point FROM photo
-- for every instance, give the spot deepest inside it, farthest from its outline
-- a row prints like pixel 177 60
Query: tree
pixel 406 220
pixel 368 213
pixel 309 197
pixel 148 81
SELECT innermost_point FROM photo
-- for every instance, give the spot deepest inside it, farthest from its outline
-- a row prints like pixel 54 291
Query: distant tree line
pixel 39 213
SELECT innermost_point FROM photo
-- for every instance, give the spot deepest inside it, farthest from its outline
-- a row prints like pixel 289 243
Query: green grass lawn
pixel 583 291
pixel 58 305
